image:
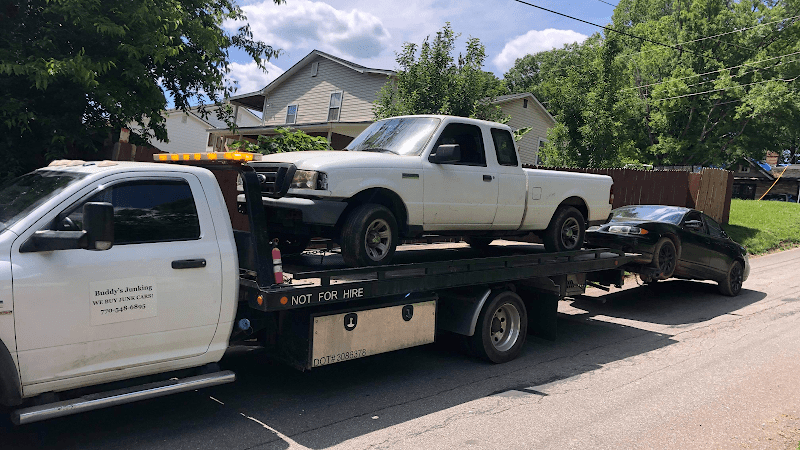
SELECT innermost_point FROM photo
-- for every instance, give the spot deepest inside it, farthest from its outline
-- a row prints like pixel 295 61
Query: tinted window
pixel 713 228
pixel 504 146
pixel 469 139
pixel 147 211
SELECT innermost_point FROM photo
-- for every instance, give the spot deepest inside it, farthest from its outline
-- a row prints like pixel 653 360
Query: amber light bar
pixel 205 156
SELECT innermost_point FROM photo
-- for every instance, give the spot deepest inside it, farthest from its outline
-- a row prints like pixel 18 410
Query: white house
pixel 189 132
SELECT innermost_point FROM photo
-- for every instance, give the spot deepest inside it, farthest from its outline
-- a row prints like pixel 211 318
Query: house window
pixel 524 102
pixel 314 68
pixel 744 169
pixel 291 114
pixel 335 106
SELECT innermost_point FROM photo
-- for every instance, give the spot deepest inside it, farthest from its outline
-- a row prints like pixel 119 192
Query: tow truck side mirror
pixel 98 223
pixel 97 233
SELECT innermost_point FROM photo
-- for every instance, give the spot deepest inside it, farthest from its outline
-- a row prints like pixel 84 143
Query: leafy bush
pixel 285 141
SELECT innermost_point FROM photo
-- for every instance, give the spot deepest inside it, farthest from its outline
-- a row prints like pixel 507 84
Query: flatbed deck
pixel 320 277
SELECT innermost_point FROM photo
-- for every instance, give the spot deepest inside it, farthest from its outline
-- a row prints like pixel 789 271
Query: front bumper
pixel 642 245
pixel 312 211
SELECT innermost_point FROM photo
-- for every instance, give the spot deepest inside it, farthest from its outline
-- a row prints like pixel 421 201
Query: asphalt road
pixel 673 365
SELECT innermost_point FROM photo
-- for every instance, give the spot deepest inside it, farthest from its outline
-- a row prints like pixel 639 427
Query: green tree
pixel 432 81
pixel 285 141
pixel 720 93
pixel 73 72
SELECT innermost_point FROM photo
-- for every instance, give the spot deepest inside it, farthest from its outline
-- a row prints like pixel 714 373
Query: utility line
pixel 715 71
pixel 682 43
pixel 788 80
pixel 601 1
pixel 732 76
pixel 614 30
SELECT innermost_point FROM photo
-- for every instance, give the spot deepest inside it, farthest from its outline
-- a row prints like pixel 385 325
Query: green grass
pixel 764 226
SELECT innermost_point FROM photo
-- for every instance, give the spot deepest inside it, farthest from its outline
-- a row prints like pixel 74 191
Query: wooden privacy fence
pixel 708 191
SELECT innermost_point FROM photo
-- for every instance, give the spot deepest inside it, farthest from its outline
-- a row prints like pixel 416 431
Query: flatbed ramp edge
pixel 322 287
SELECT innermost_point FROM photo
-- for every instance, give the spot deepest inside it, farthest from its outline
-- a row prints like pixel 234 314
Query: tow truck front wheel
pixel 501 329
pixel 369 236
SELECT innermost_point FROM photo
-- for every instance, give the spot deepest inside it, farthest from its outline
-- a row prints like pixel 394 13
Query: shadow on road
pixel 271 405
pixel 670 302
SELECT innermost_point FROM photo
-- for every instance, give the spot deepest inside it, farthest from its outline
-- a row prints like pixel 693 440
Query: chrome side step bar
pixel 118 397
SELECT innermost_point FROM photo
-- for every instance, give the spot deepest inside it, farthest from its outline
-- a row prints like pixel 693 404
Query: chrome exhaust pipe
pixel 119 397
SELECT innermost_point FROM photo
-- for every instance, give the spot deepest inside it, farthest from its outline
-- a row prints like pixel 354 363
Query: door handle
pixel 188 263
pixel 487 178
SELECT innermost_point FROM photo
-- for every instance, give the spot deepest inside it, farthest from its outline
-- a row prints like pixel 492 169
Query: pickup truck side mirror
pixel 446 154
pixel 97 233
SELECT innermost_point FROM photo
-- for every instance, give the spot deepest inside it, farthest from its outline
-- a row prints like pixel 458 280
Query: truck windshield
pixel 22 195
pixel 401 136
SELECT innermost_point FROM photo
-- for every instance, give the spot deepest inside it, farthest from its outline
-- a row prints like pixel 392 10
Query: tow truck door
pixel 154 296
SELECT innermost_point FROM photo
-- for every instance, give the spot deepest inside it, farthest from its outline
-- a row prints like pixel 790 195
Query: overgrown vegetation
pixel 285 141
pixel 764 226
pixel 433 81
pixel 73 72
pixel 722 86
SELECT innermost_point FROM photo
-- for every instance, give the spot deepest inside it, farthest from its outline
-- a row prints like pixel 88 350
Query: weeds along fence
pixel 708 191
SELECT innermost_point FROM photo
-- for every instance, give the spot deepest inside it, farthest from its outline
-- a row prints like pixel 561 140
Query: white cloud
pixel 304 24
pixel 250 78
pixel 534 42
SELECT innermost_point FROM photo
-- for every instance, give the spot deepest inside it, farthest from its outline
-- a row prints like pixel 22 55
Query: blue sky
pixel 370 32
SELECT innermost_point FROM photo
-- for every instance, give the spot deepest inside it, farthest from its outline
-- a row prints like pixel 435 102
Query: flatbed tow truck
pixel 308 310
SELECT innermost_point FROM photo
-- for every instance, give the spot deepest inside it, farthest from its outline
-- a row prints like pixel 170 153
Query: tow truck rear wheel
pixel 501 329
pixel 369 236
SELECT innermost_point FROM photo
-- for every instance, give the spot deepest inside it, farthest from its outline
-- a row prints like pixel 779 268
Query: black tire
pixel 665 258
pixel 292 245
pixel 501 329
pixel 479 242
pixel 732 284
pixel 566 230
pixel 369 236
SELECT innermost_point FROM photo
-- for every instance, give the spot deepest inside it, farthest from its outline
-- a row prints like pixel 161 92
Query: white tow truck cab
pixel 121 281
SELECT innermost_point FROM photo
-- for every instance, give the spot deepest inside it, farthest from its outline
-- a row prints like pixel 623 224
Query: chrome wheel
pixel 505 327
pixel 570 231
pixel 378 239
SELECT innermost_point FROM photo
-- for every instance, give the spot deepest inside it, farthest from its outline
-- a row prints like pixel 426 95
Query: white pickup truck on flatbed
pixel 405 176
pixel 122 281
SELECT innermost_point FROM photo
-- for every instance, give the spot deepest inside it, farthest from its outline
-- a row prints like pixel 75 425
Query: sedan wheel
pixel 665 258
pixel 732 284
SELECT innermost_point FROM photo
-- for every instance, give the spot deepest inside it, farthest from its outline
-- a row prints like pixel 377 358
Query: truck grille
pixel 275 178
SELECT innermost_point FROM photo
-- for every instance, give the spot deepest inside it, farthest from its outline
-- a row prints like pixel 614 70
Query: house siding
pixel 533 117
pixel 184 137
pixel 312 94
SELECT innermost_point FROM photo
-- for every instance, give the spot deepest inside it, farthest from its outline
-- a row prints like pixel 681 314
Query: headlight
pixel 309 179
pixel 625 229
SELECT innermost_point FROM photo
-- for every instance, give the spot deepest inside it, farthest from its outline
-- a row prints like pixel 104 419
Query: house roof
pixel 523 95
pixel 255 100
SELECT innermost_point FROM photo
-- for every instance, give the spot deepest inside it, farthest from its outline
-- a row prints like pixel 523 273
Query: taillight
pixel 611 195
pixel 277 265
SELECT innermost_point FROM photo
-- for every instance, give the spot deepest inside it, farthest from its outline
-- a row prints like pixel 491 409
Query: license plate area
pixel 355 334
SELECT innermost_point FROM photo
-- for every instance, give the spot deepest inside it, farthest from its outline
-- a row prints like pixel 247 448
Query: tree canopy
pixel 72 72
pixel 721 85
pixel 430 80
